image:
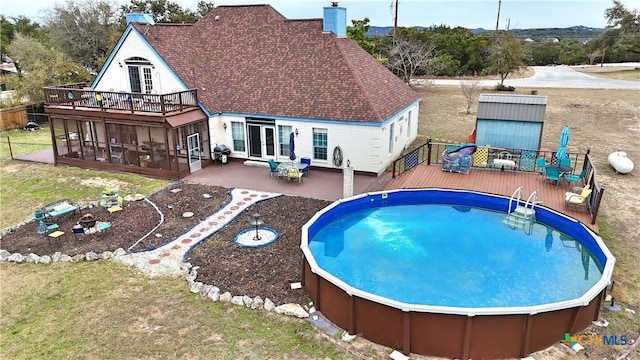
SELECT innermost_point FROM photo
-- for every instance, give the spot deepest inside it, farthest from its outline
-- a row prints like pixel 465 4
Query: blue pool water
pixel 452 256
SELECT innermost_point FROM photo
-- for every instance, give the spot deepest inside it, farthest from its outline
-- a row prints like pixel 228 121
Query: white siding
pixel 366 147
pixel 115 78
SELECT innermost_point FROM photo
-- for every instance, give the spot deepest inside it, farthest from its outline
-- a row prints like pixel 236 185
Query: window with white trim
pixel 283 139
pixel 320 142
pixel 409 123
pixel 237 134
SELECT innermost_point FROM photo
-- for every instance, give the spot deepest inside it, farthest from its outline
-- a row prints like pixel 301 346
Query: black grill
pixel 220 150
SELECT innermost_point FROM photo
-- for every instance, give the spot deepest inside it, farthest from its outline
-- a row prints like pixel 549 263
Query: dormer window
pixel 140 78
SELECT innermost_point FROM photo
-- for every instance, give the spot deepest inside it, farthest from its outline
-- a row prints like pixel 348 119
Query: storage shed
pixel 510 121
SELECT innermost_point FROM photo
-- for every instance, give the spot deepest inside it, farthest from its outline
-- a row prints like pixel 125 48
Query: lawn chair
pixel 306 160
pixel 273 167
pixel 576 178
pixel 540 165
pixel 552 173
pixel 295 174
pixel 77 230
pixel 578 201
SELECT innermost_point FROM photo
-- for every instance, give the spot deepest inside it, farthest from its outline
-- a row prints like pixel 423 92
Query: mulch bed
pixel 265 271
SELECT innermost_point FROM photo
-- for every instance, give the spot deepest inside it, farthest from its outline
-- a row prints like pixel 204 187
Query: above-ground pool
pixel 439 272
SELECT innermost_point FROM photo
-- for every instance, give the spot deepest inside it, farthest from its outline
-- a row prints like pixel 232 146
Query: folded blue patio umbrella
pixel 292 146
pixel 564 140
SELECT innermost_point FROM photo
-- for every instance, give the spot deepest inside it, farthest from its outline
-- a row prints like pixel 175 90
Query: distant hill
pixel 575 32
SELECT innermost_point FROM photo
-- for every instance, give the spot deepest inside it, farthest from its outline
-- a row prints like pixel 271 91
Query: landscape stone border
pixel 205 291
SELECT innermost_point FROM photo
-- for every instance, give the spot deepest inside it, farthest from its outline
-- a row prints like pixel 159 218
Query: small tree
pixel 470 90
pixel 505 56
pixel 407 56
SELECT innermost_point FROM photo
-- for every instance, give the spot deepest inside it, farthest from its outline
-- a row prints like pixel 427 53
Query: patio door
pixel 262 141
pixel 193 149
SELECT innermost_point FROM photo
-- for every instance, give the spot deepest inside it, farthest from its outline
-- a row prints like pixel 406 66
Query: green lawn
pixel 104 310
pixel 23 142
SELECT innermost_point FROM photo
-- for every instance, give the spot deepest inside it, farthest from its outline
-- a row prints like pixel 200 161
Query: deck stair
pixel 521 214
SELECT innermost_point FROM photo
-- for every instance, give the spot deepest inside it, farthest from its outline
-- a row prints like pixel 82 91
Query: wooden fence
pixel 13 118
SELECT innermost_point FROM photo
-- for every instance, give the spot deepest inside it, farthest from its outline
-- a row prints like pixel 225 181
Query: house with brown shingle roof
pixel 243 78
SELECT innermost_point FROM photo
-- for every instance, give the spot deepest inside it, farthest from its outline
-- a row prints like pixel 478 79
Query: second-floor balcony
pixel 75 96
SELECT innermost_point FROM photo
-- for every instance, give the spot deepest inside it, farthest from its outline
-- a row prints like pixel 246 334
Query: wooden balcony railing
pixel 74 96
pixel 523 160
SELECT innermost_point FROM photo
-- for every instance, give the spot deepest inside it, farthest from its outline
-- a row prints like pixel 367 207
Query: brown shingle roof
pixel 252 60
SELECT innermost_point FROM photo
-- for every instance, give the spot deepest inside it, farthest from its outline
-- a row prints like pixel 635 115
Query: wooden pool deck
pixel 491 181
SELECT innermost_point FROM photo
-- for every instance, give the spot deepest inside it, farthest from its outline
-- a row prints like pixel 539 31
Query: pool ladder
pixel 523 215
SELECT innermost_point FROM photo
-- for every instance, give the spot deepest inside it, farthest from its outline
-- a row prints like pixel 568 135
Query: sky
pixel 514 14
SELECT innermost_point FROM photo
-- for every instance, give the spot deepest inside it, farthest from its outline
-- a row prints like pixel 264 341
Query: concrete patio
pixel 319 184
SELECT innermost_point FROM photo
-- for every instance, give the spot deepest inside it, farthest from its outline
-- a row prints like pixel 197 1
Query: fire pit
pixel 87 221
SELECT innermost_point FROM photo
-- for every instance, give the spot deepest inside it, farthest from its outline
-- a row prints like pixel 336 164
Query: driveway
pixel 558 77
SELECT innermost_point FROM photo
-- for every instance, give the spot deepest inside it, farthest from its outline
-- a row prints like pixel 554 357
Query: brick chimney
pixel 335 19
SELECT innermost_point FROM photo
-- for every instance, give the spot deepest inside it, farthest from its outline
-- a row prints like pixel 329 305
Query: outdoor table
pixel 563 170
pixel 284 167
pixel 56 235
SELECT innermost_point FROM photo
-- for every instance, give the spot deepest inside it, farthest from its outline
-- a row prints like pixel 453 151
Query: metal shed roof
pixel 512 107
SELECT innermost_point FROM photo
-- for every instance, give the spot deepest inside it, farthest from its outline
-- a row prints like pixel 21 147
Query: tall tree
pixel 9 27
pixel 506 55
pixel 41 66
pixel 623 28
pixel 166 11
pixel 86 30
pixel 358 33
pixel 204 7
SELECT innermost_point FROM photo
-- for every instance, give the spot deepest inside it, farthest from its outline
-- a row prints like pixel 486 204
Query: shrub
pixel 501 87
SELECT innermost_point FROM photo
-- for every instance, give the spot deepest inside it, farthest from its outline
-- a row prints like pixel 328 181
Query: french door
pixel 262 141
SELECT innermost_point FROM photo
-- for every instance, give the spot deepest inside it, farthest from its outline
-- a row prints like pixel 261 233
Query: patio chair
pixel 540 165
pixel 77 230
pixel 117 154
pixel 576 178
pixel 273 167
pixel 552 174
pixel 306 160
pixel 578 201
pixel 295 174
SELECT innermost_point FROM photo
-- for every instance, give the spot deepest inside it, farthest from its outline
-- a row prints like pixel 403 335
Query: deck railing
pixel 524 160
pixel 75 96
pixel 596 189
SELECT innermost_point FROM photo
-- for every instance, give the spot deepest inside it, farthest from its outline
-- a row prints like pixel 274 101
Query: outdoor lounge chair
pixel 578 201
pixel 273 167
pixel 552 174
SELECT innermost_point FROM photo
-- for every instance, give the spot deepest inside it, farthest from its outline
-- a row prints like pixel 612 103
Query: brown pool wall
pixel 447 335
